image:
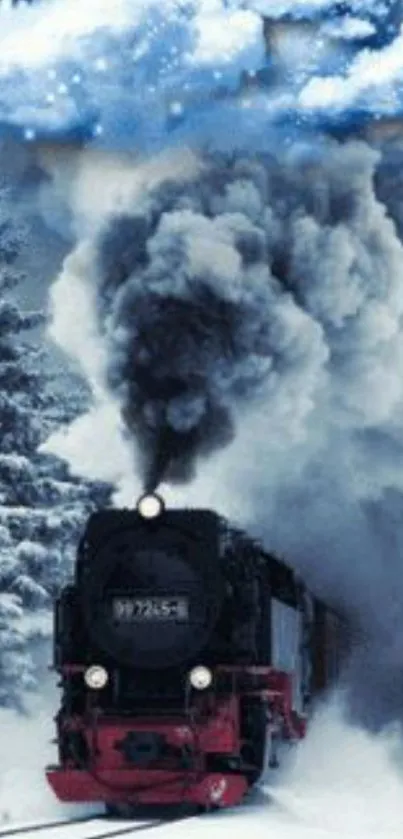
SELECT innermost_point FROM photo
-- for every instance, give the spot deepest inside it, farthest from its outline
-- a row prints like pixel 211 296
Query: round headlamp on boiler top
pixel 150 506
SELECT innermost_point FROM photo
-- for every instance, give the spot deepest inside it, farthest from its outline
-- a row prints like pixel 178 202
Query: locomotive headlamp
pixel 96 677
pixel 200 677
pixel 150 506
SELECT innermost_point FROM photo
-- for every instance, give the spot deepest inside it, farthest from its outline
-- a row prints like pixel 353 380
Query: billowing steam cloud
pixel 195 318
pixel 275 280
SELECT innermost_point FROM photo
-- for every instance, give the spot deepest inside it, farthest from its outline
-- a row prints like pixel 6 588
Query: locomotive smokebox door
pixel 151 596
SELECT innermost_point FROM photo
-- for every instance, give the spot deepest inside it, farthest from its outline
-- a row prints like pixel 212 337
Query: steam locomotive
pixel 185 653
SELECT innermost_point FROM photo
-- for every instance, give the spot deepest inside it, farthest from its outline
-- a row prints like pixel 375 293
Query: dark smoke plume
pixel 257 279
pixel 197 294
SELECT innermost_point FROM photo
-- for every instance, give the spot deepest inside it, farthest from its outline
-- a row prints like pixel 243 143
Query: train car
pixel 185 652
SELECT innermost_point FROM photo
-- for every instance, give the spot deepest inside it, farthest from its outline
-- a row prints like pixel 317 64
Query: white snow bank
pixel 344 780
pixel 26 748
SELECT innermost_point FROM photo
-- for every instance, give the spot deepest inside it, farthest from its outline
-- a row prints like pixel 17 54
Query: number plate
pixel 143 609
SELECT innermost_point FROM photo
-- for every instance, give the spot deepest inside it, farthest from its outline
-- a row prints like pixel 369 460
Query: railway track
pixel 38 826
pixel 43 828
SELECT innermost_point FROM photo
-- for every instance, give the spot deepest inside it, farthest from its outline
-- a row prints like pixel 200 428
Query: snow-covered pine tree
pixel 42 508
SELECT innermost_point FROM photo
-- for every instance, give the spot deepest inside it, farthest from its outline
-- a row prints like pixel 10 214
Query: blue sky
pixel 142 75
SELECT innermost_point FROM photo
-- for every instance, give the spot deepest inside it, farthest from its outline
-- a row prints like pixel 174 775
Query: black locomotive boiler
pixel 184 652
